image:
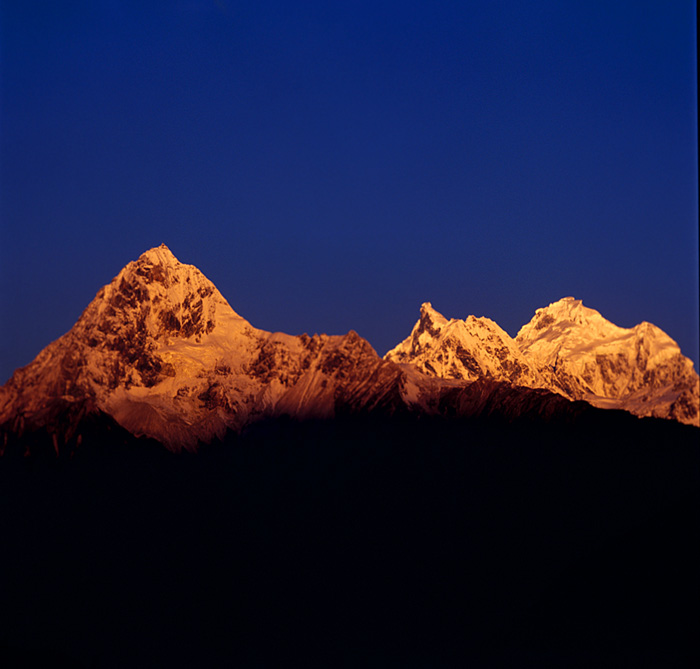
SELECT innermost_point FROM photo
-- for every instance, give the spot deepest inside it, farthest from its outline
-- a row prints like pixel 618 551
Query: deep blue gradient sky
pixel 332 165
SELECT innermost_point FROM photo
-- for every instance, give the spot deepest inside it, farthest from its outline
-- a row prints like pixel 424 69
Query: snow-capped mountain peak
pixel 431 317
pixel 463 349
pixel 567 348
pixel 161 351
pixel 567 328
pixel 584 356
pixel 159 255
pixel 564 322
pixel 164 296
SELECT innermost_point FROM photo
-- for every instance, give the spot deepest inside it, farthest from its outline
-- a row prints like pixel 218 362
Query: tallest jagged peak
pixel 160 297
pixel 159 255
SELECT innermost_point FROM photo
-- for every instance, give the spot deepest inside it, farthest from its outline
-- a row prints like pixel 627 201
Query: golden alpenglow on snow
pixel 566 348
pixel 161 352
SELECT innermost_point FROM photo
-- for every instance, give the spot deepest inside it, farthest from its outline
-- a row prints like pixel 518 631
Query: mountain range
pixel 160 352
pixel 566 348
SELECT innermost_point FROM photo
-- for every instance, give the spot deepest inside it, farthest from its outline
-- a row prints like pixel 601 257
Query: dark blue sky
pixel 332 165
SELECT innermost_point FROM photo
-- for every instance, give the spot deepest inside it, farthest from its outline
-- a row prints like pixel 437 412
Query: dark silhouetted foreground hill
pixel 358 543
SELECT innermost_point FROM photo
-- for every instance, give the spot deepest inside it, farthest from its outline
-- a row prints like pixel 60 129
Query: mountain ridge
pixel 161 351
pixel 566 348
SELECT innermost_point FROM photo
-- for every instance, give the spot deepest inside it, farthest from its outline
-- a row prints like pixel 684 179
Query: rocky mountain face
pixel 162 354
pixel 568 349
pixel 161 351
pixel 475 348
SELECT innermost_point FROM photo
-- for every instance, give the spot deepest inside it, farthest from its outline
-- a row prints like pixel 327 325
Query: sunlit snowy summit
pixel 566 348
pixel 162 354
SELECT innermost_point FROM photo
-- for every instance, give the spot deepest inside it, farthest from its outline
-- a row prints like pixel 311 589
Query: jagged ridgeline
pixel 161 354
pixel 566 348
